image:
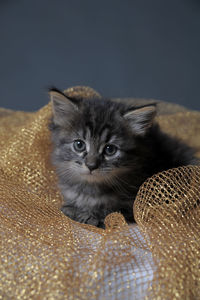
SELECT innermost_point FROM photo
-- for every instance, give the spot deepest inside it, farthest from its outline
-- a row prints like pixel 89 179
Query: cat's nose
pixel 92 164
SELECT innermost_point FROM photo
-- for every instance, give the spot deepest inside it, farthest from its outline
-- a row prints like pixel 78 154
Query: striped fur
pixel 93 183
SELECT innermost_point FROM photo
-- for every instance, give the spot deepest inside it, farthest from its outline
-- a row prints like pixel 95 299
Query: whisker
pixel 117 187
pixel 124 182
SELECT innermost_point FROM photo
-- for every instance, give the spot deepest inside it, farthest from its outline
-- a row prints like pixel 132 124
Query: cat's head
pixel 95 139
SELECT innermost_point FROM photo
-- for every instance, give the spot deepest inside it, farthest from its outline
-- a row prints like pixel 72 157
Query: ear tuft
pixel 141 118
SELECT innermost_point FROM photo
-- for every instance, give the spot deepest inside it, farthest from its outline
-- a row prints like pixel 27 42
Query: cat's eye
pixel 79 146
pixel 110 149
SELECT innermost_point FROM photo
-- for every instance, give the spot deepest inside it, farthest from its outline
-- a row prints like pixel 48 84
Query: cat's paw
pixel 68 211
pixel 82 216
pixel 92 221
pixel 95 222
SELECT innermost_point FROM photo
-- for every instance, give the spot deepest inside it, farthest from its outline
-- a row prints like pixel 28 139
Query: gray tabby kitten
pixel 103 152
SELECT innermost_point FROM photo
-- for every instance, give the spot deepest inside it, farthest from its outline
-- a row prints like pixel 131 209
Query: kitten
pixel 104 151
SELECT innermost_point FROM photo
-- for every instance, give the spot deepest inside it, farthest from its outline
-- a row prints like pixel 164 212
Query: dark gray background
pixel 143 48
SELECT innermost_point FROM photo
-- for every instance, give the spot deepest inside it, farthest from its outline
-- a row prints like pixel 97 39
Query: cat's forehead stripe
pixel 113 139
pixel 88 133
pixel 105 135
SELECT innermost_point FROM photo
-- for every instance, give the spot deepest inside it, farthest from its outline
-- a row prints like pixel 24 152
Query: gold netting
pixel 45 255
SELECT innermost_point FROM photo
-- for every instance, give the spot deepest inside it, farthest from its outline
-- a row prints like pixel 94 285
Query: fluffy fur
pixel 103 152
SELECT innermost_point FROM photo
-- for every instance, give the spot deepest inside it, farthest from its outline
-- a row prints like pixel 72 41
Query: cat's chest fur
pixel 88 206
pixel 88 198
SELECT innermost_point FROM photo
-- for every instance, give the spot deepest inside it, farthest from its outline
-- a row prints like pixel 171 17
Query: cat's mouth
pixel 94 175
pixel 100 176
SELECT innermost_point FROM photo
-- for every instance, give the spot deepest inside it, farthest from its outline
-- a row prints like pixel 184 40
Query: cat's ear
pixel 141 118
pixel 62 106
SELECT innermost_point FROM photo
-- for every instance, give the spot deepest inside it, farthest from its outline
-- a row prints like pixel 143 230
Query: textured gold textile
pixel 45 255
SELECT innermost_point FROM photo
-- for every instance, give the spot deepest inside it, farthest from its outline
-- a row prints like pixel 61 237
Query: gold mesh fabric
pixel 45 255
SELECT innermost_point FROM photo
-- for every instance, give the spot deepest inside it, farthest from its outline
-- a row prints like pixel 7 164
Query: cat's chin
pixel 93 177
